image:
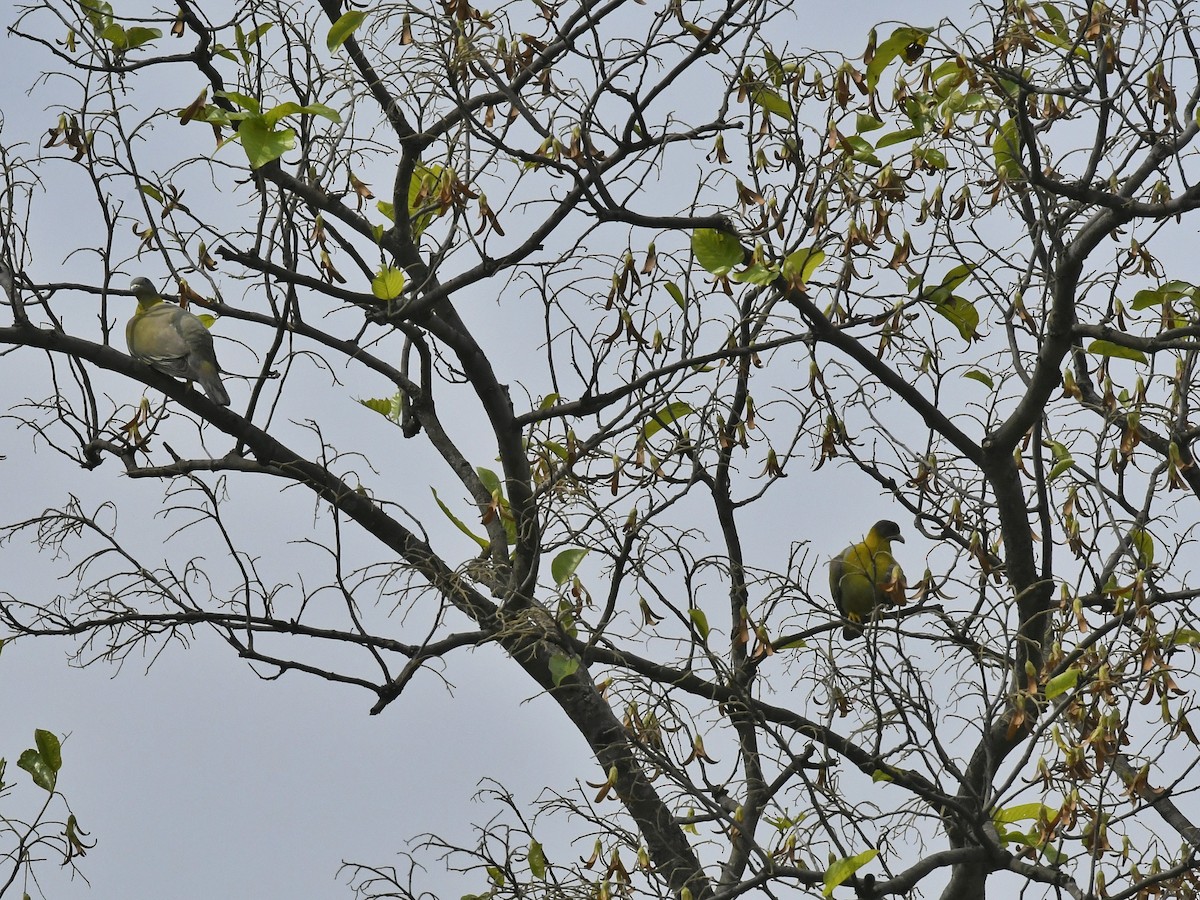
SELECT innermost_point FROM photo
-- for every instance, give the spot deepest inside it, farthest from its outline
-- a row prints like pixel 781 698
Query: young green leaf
pixel 962 314
pixel 562 666
pixel 261 143
pixel 1108 348
pixel 906 42
pixel 717 251
pixel 43 763
pixel 388 284
pixel 773 103
pixel 381 405
pixel 1006 150
pixel 491 481
pixel 842 869
pixel 668 415
pixel 676 295
pixel 1061 683
pixel 980 376
pixel 482 542
pixel 1143 543
pixel 756 273
pixel 1024 811
pixel 49 747
pixel 343 28
pixel 799 266
pixel 565 564
pixel 537 860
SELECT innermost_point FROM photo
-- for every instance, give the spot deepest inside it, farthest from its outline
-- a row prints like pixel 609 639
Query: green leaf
pixel 773 103
pixel 491 481
pixel 900 42
pixel 99 14
pixel 292 108
pixel 49 747
pixel 1146 299
pixel 960 311
pixel 151 191
pixel 537 860
pixel 861 149
pixel 137 36
pixel 1143 543
pixel 799 266
pixel 1061 467
pixel 1060 684
pixel 261 143
pixel 383 406
pixel 1171 290
pixel 562 666
pixel 565 564
pixel 245 101
pixel 32 762
pixel 388 284
pixel 214 115
pixel 1108 348
pixel 757 273
pixel 43 763
pixel 1053 854
pixel 115 35
pixel 700 620
pixel 668 415
pixel 841 870
pixel 1187 636
pixel 677 295
pixel 341 30
pixel 898 137
pixel 879 775
pixel 962 314
pixel 427 183
pixel 128 38
pixel 959 103
pixel 1024 811
pixel 932 157
pixel 981 377
pixel 320 109
pixel 1057 19
pixel 254 36
pixel 482 542
pixel 864 123
pixel 957 275
pixel 717 251
pixel 273 115
pixel 1006 150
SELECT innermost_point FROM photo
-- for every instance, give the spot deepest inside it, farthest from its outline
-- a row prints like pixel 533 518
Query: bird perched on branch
pixel 173 341
pixel 865 575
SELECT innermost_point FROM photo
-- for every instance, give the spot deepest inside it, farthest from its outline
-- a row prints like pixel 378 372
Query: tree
pixel 647 290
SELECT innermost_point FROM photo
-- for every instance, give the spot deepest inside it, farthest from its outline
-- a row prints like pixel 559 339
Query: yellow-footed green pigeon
pixel 865 575
pixel 173 341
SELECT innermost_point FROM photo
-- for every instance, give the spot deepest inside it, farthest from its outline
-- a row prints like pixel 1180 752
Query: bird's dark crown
pixel 887 529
